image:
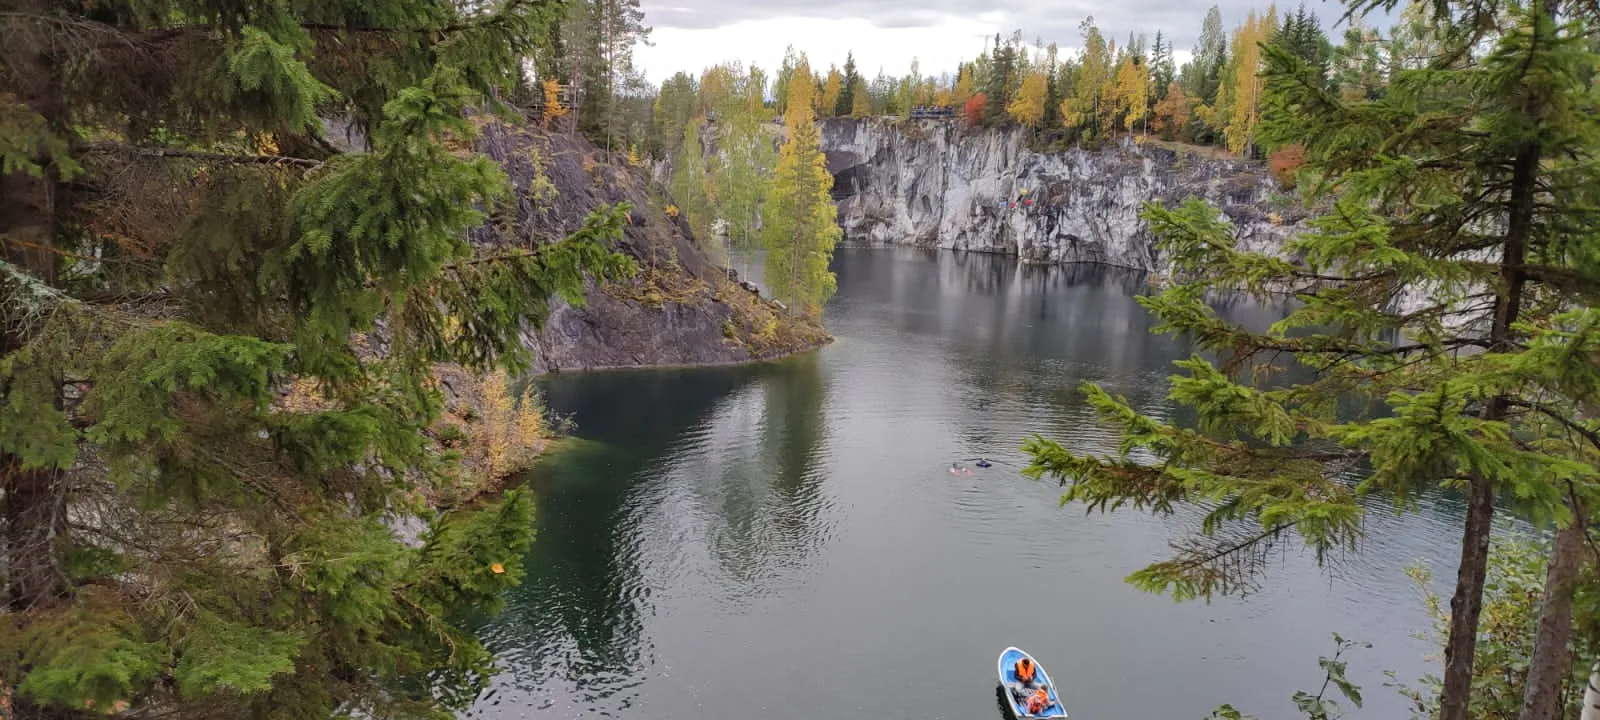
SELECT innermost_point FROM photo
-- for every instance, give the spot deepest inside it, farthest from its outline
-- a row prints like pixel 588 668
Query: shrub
pixel 973 110
pixel 1285 161
pixel 512 430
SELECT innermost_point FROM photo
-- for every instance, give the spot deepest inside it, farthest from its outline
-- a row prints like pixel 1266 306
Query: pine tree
pixel 1052 88
pixel 799 226
pixel 786 71
pixel 1202 76
pixel 965 86
pixel 1301 35
pixel 582 65
pixel 1163 73
pixel 997 87
pixel 1447 321
pixel 179 245
pixel 619 27
pixel 860 99
pixel 844 103
pixel 1355 67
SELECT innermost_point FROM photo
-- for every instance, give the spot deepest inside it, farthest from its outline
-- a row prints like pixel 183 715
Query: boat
pixel 1008 677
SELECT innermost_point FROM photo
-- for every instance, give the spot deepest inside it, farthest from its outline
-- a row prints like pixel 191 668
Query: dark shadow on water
pixel 1001 703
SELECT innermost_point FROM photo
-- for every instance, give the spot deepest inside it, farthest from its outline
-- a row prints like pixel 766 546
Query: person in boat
pixel 1040 700
pixel 1026 671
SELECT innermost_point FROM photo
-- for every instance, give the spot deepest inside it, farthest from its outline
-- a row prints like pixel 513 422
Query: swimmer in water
pixel 983 462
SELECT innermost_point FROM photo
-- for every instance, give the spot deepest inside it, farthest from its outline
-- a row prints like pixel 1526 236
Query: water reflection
pixel 572 630
pixel 766 504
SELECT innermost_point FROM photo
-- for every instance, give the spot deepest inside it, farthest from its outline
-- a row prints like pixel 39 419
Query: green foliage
pixel 92 655
pixel 25 137
pixel 216 352
pixel 1513 594
pixel 223 656
pixel 690 185
pixel 147 369
pixel 741 178
pixel 263 77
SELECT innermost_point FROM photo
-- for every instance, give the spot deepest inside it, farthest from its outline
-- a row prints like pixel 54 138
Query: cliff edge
pixel 939 184
pixel 681 308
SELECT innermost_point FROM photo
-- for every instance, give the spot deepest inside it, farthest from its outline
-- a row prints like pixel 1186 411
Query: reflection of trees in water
pixel 792 435
pixel 576 614
pixel 770 502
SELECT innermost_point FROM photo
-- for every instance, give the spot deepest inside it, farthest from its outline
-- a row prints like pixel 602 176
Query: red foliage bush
pixel 1284 161
pixel 973 110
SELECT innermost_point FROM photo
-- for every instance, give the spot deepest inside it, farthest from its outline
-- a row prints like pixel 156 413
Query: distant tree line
pixel 1103 90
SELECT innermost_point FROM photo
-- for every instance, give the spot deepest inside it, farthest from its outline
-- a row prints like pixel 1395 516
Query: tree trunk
pixel 35 521
pixel 1591 697
pixel 31 501
pixel 1552 662
pixel 1467 602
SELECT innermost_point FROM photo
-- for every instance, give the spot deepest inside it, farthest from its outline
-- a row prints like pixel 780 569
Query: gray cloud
pixel 1048 20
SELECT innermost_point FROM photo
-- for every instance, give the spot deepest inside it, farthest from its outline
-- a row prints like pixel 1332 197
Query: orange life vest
pixel 1039 701
pixel 1025 670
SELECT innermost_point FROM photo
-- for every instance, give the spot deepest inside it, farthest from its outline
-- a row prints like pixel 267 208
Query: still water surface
pixel 787 540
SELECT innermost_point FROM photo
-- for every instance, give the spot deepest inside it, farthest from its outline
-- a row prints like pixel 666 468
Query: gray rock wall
pixel 684 312
pixel 937 184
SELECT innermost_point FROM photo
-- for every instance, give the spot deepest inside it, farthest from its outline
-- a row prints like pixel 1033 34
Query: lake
pixel 786 540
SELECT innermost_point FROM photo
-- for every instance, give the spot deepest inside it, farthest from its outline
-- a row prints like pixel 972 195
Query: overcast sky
pixel 693 34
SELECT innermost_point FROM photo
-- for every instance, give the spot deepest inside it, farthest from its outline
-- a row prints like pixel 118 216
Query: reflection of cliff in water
pixel 575 618
pixel 1026 332
pixel 995 305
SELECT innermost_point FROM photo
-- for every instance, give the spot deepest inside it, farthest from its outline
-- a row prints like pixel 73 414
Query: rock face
pixel 680 310
pixel 937 184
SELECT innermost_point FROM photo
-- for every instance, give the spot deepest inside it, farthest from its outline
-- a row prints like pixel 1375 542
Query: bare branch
pixel 123 148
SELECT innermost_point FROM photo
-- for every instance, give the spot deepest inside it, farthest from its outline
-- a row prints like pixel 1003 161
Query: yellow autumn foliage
pixel 511 431
pixel 552 102
pixel 1029 105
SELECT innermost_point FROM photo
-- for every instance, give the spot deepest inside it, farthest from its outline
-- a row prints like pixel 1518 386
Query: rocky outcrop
pixel 938 184
pixel 681 308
